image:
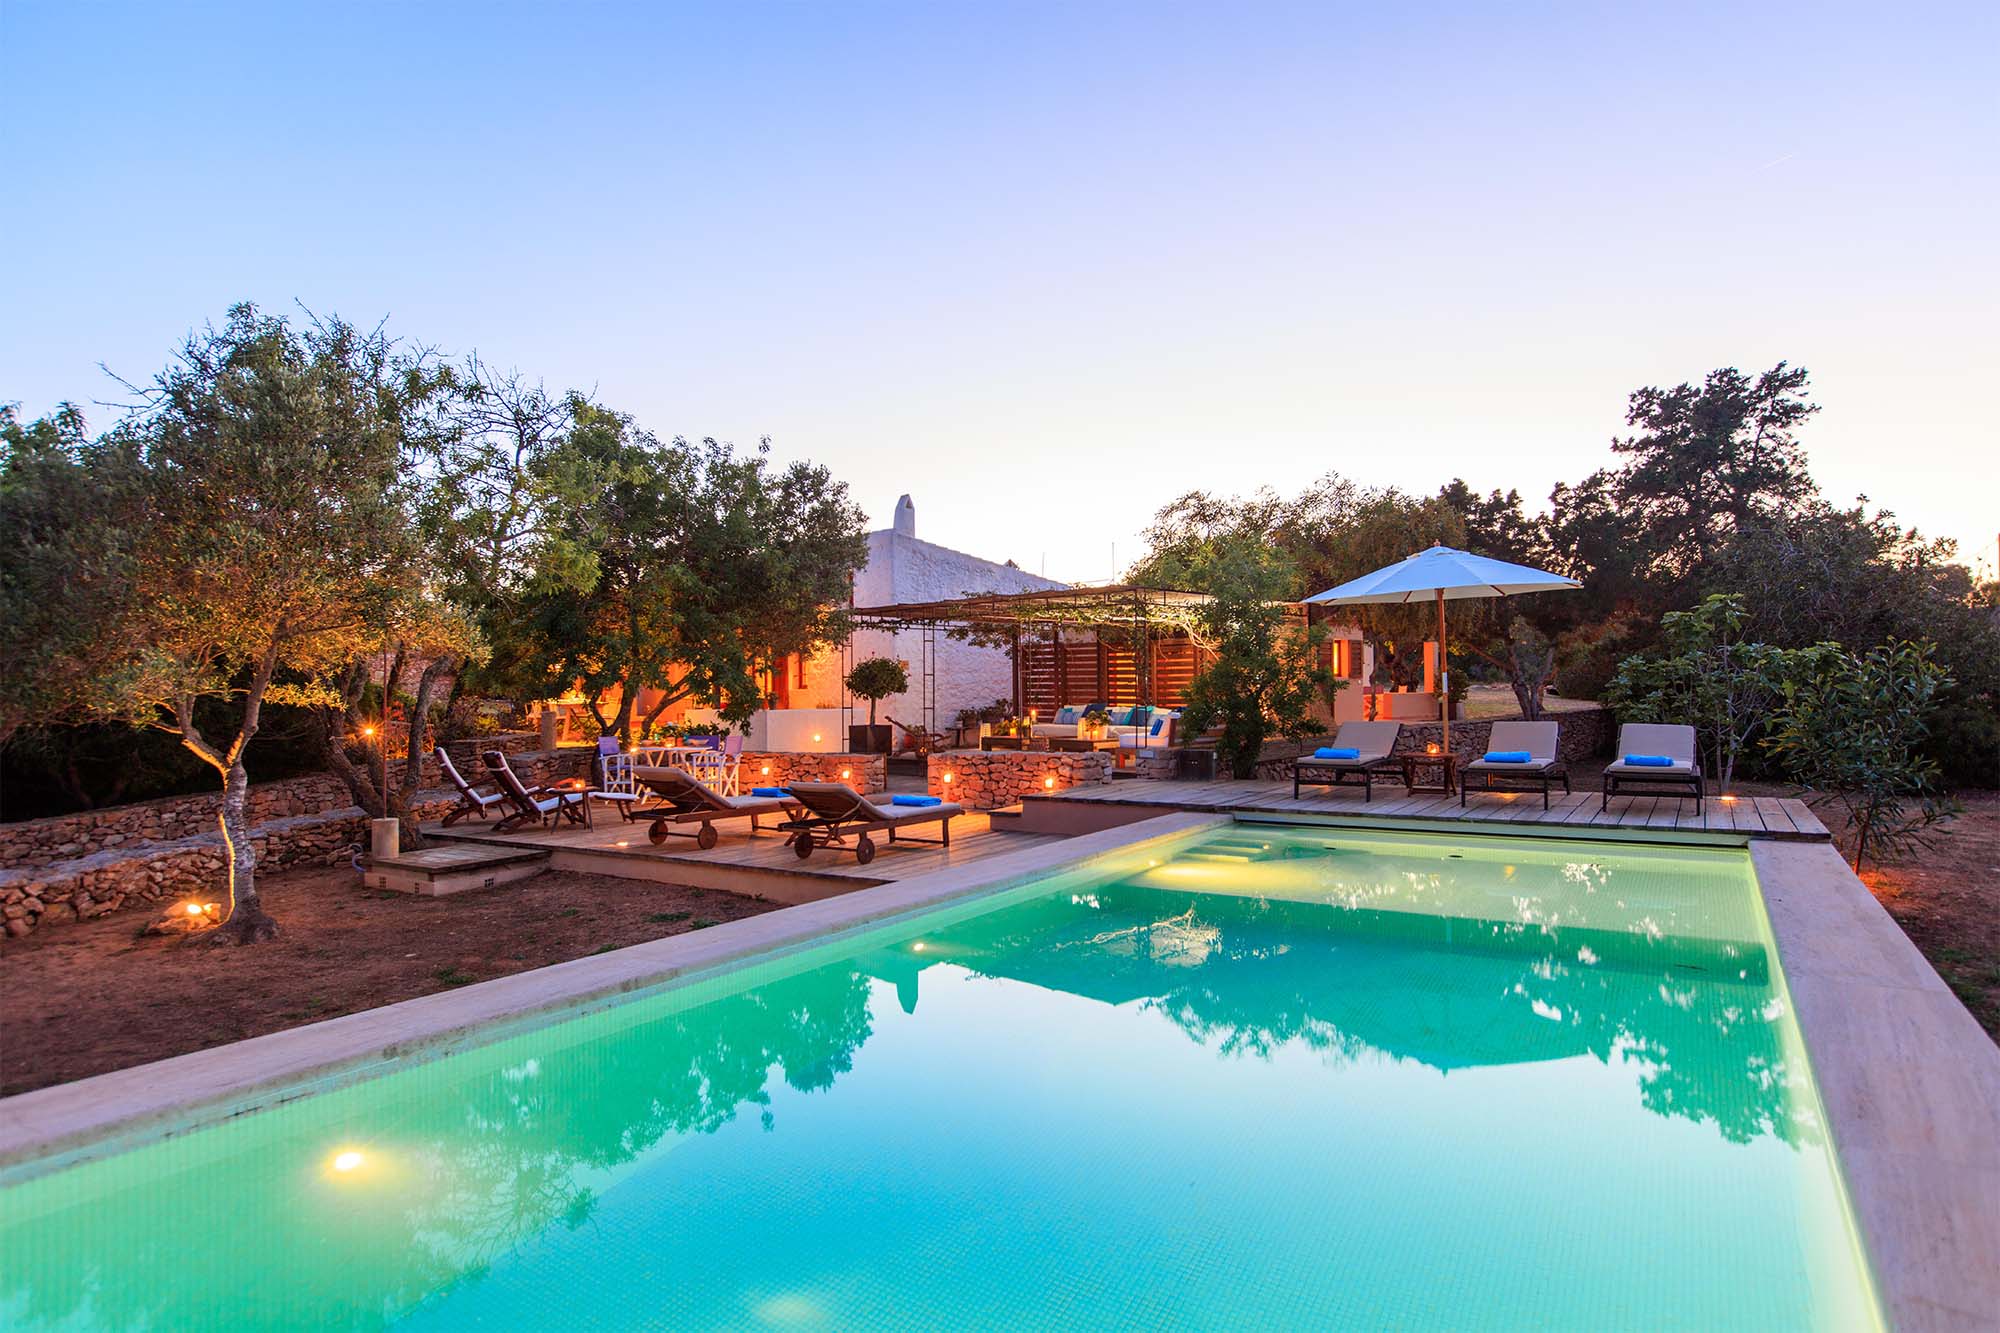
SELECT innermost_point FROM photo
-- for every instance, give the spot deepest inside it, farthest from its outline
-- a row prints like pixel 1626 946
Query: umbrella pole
pixel 1444 678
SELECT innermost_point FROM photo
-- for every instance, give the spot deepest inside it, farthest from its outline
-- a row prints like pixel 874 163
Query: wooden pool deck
pixel 1752 816
pixel 762 865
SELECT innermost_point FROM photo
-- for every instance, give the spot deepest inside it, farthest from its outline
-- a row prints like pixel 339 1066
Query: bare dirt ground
pixel 94 996
pixel 1947 899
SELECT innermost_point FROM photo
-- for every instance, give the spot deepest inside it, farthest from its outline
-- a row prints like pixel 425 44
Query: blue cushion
pixel 1336 752
pixel 1066 715
pixel 908 798
pixel 1508 757
pixel 1649 761
pixel 769 791
pixel 1159 724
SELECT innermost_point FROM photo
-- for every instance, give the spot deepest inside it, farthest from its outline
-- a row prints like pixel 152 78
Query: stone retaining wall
pixel 863 772
pixel 986 779
pixel 130 867
pixel 44 842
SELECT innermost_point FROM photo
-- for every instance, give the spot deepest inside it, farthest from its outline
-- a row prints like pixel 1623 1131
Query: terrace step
pixel 438 871
pixel 1005 818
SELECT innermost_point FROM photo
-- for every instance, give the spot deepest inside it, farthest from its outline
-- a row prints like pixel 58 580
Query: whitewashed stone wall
pixel 902 567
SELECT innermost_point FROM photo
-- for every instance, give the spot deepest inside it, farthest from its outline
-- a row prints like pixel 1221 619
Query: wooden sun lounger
pixel 534 805
pixel 1539 740
pixel 471 800
pixel 1373 739
pixel 688 800
pixel 834 810
pixel 1683 777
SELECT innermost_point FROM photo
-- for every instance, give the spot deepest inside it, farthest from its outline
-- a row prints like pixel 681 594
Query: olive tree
pixel 267 539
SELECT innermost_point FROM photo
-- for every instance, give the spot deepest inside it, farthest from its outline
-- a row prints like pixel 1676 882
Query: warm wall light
pixel 1049 782
pixel 767 770
pixel 947 777
pixel 846 773
pixel 815 738
pixel 193 909
pixel 1432 748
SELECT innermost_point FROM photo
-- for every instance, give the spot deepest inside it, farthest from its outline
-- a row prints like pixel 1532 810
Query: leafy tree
pixel 1263 674
pixel 875 680
pixel 265 536
pixel 68 510
pixel 1853 728
pixel 681 568
pixel 1709 460
pixel 1707 676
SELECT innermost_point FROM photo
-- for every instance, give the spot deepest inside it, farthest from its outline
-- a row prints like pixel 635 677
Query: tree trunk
pixel 403 799
pixel 246 922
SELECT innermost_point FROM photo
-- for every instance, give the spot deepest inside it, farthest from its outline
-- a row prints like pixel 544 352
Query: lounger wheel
pixel 802 845
pixel 657 834
pixel 864 849
pixel 705 836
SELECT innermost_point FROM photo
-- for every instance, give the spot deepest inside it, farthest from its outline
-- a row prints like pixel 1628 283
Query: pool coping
pixel 1910 1083
pixel 51 1128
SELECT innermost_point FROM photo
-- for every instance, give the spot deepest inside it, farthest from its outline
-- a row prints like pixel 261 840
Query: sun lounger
pixel 1371 742
pixel 1681 773
pixel 1537 740
pixel 471 800
pixel 689 800
pixel 834 810
pixel 534 805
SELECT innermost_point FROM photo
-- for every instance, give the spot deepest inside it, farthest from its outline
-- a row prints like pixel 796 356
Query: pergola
pixel 1125 660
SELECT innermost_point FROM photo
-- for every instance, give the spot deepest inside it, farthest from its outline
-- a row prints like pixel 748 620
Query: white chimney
pixel 906 518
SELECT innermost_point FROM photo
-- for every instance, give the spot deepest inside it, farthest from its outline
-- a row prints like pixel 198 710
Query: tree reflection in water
pixel 465 1159
pixel 1701 1020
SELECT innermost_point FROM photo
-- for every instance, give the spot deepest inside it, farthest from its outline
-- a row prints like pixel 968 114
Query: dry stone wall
pixel 987 779
pixel 863 772
pixel 75 867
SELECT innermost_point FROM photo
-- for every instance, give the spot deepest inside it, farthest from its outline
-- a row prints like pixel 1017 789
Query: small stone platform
pixel 438 871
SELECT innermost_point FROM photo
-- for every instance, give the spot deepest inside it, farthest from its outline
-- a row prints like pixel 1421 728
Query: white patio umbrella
pixel 1442 573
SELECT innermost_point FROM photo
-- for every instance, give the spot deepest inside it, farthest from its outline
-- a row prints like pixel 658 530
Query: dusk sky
pixel 1047 267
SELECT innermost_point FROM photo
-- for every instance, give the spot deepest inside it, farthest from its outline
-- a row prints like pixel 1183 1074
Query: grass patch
pixel 669 917
pixel 602 948
pixel 451 976
pixel 703 923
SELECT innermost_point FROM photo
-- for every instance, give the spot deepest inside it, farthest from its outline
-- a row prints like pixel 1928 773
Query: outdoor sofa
pixel 1536 740
pixel 1371 742
pixel 1680 775
pixel 1137 728
pixel 835 811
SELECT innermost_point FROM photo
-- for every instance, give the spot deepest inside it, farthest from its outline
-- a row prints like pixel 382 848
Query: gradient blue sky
pixel 1046 267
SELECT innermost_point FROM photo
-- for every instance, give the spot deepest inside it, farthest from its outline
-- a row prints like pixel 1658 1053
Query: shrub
pixel 1855 729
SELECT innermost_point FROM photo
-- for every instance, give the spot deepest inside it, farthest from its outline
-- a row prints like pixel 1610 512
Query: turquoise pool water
pixel 1282 1078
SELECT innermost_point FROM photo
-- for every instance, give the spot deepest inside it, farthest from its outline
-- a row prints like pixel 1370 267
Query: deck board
pixel 614 846
pixel 1760 817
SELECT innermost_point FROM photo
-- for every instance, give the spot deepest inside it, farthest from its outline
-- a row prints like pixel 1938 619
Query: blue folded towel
pixel 769 791
pixel 1508 757
pixel 1336 752
pixel 906 798
pixel 1649 761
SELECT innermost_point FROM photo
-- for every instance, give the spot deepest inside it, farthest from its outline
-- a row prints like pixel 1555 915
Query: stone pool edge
pixel 1910 1083
pixel 51 1128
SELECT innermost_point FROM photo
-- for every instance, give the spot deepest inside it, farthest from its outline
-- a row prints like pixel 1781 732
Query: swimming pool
pixel 1280 1077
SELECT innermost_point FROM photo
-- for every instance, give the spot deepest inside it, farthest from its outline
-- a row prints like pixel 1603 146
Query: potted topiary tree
pixel 874 680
